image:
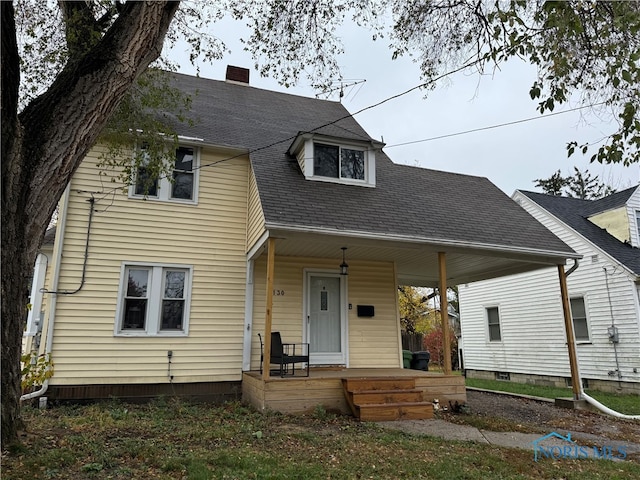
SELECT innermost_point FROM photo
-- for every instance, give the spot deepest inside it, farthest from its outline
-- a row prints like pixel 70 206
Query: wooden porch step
pixel 386 396
pixel 395 411
pixel 378 383
pixel 380 399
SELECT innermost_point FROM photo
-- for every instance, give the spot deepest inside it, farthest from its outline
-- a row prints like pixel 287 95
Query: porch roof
pixel 410 215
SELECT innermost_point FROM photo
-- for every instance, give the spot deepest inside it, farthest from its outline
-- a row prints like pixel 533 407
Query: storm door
pixel 325 329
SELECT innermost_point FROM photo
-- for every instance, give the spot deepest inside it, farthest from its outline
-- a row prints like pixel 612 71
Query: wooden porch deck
pixel 298 395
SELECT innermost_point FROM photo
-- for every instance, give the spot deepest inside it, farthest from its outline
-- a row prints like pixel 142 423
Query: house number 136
pixel 278 293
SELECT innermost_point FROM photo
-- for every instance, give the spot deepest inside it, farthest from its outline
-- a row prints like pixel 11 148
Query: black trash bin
pixel 420 361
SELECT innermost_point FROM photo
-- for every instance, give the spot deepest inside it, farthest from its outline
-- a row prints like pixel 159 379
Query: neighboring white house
pixel 512 327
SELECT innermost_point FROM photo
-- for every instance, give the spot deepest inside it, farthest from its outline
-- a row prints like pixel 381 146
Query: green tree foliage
pixel 579 185
pixel 585 51
pixel 413 305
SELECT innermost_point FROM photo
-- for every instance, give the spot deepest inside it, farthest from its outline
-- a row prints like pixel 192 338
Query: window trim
pixel 155 296
pixel 369 162
pixel 488 325
pixel 165 186
pixel 302 149
pixel 340 148
pixel 586 319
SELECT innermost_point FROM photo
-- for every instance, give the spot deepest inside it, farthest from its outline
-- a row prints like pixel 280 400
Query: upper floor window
pixel 579 316
pixel 182 184
pixel 154 300
pixel 330 159
pixel 338 162
pixel 638 223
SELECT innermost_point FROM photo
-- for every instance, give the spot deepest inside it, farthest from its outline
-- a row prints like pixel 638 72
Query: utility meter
pixel 613 334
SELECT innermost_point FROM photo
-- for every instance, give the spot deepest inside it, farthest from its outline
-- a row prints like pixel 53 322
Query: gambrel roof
pixel 574 213
pixel 412 204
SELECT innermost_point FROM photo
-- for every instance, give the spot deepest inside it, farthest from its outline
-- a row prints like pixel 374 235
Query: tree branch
pixel 66 121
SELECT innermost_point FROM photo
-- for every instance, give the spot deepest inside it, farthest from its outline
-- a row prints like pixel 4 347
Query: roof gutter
pixel 425 240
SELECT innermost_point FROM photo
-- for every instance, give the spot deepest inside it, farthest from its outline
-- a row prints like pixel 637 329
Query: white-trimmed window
pixel 493 322
pixel 154 300
pixel 579 317
pixel 334 161
pixel 181 187
pixel 638 223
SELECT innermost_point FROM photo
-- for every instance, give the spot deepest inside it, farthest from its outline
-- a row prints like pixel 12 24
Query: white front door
pixel 325 319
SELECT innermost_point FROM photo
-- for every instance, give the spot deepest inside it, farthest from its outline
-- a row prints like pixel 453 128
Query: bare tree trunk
pixel 44 145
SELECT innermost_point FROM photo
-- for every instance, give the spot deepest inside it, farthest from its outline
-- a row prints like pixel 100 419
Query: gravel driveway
pixel 536 416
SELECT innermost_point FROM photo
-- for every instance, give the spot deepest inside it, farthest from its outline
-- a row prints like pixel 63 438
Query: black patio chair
pixel 284 355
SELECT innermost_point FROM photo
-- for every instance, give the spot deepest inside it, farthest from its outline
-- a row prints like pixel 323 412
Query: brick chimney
pixel 237 74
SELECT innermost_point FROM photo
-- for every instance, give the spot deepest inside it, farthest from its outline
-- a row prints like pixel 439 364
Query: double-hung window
pixel 579 317
pixel 493 320
pixel 154 300
pixel 338 162
pixel 181 186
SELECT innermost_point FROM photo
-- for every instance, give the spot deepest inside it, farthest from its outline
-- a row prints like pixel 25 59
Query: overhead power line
pixel 490 127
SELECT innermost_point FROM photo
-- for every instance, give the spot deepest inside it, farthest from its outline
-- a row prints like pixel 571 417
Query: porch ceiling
pixel 416 260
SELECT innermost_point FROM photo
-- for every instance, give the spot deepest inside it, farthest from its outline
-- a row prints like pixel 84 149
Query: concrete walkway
pixel 527 441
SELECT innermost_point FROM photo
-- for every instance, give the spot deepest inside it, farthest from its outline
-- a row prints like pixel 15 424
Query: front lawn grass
pixel 627 404
pixel 174 440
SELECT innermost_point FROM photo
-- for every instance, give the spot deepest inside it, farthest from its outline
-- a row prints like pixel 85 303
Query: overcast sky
pixel 511 156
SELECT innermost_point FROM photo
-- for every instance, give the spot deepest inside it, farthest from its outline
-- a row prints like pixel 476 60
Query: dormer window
pixel 328 159
pixel 338 162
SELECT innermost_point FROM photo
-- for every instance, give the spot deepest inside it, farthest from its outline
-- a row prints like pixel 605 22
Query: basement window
pixel 504 376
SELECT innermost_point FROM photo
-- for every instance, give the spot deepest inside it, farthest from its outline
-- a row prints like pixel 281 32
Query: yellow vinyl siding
pixel 209 236
pixel 616 222
pixel 372 342
pixel 255 223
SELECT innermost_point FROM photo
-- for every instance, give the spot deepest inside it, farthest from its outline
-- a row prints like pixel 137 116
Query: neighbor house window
pixel 493 319
pixel 179 186
pixel 338 162
pixel 154 300
pixel 579 316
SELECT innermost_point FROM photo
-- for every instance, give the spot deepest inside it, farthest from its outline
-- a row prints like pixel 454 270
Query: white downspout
pixel 604 408
pixel 248 318
pixel 590 400
pixel 48 346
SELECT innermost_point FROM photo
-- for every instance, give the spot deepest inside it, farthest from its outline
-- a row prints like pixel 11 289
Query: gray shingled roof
pixel 574 213
pixel 407 201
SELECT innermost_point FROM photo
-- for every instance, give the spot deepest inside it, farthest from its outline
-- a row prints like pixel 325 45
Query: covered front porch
pixel 324 387
pixel 337 295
